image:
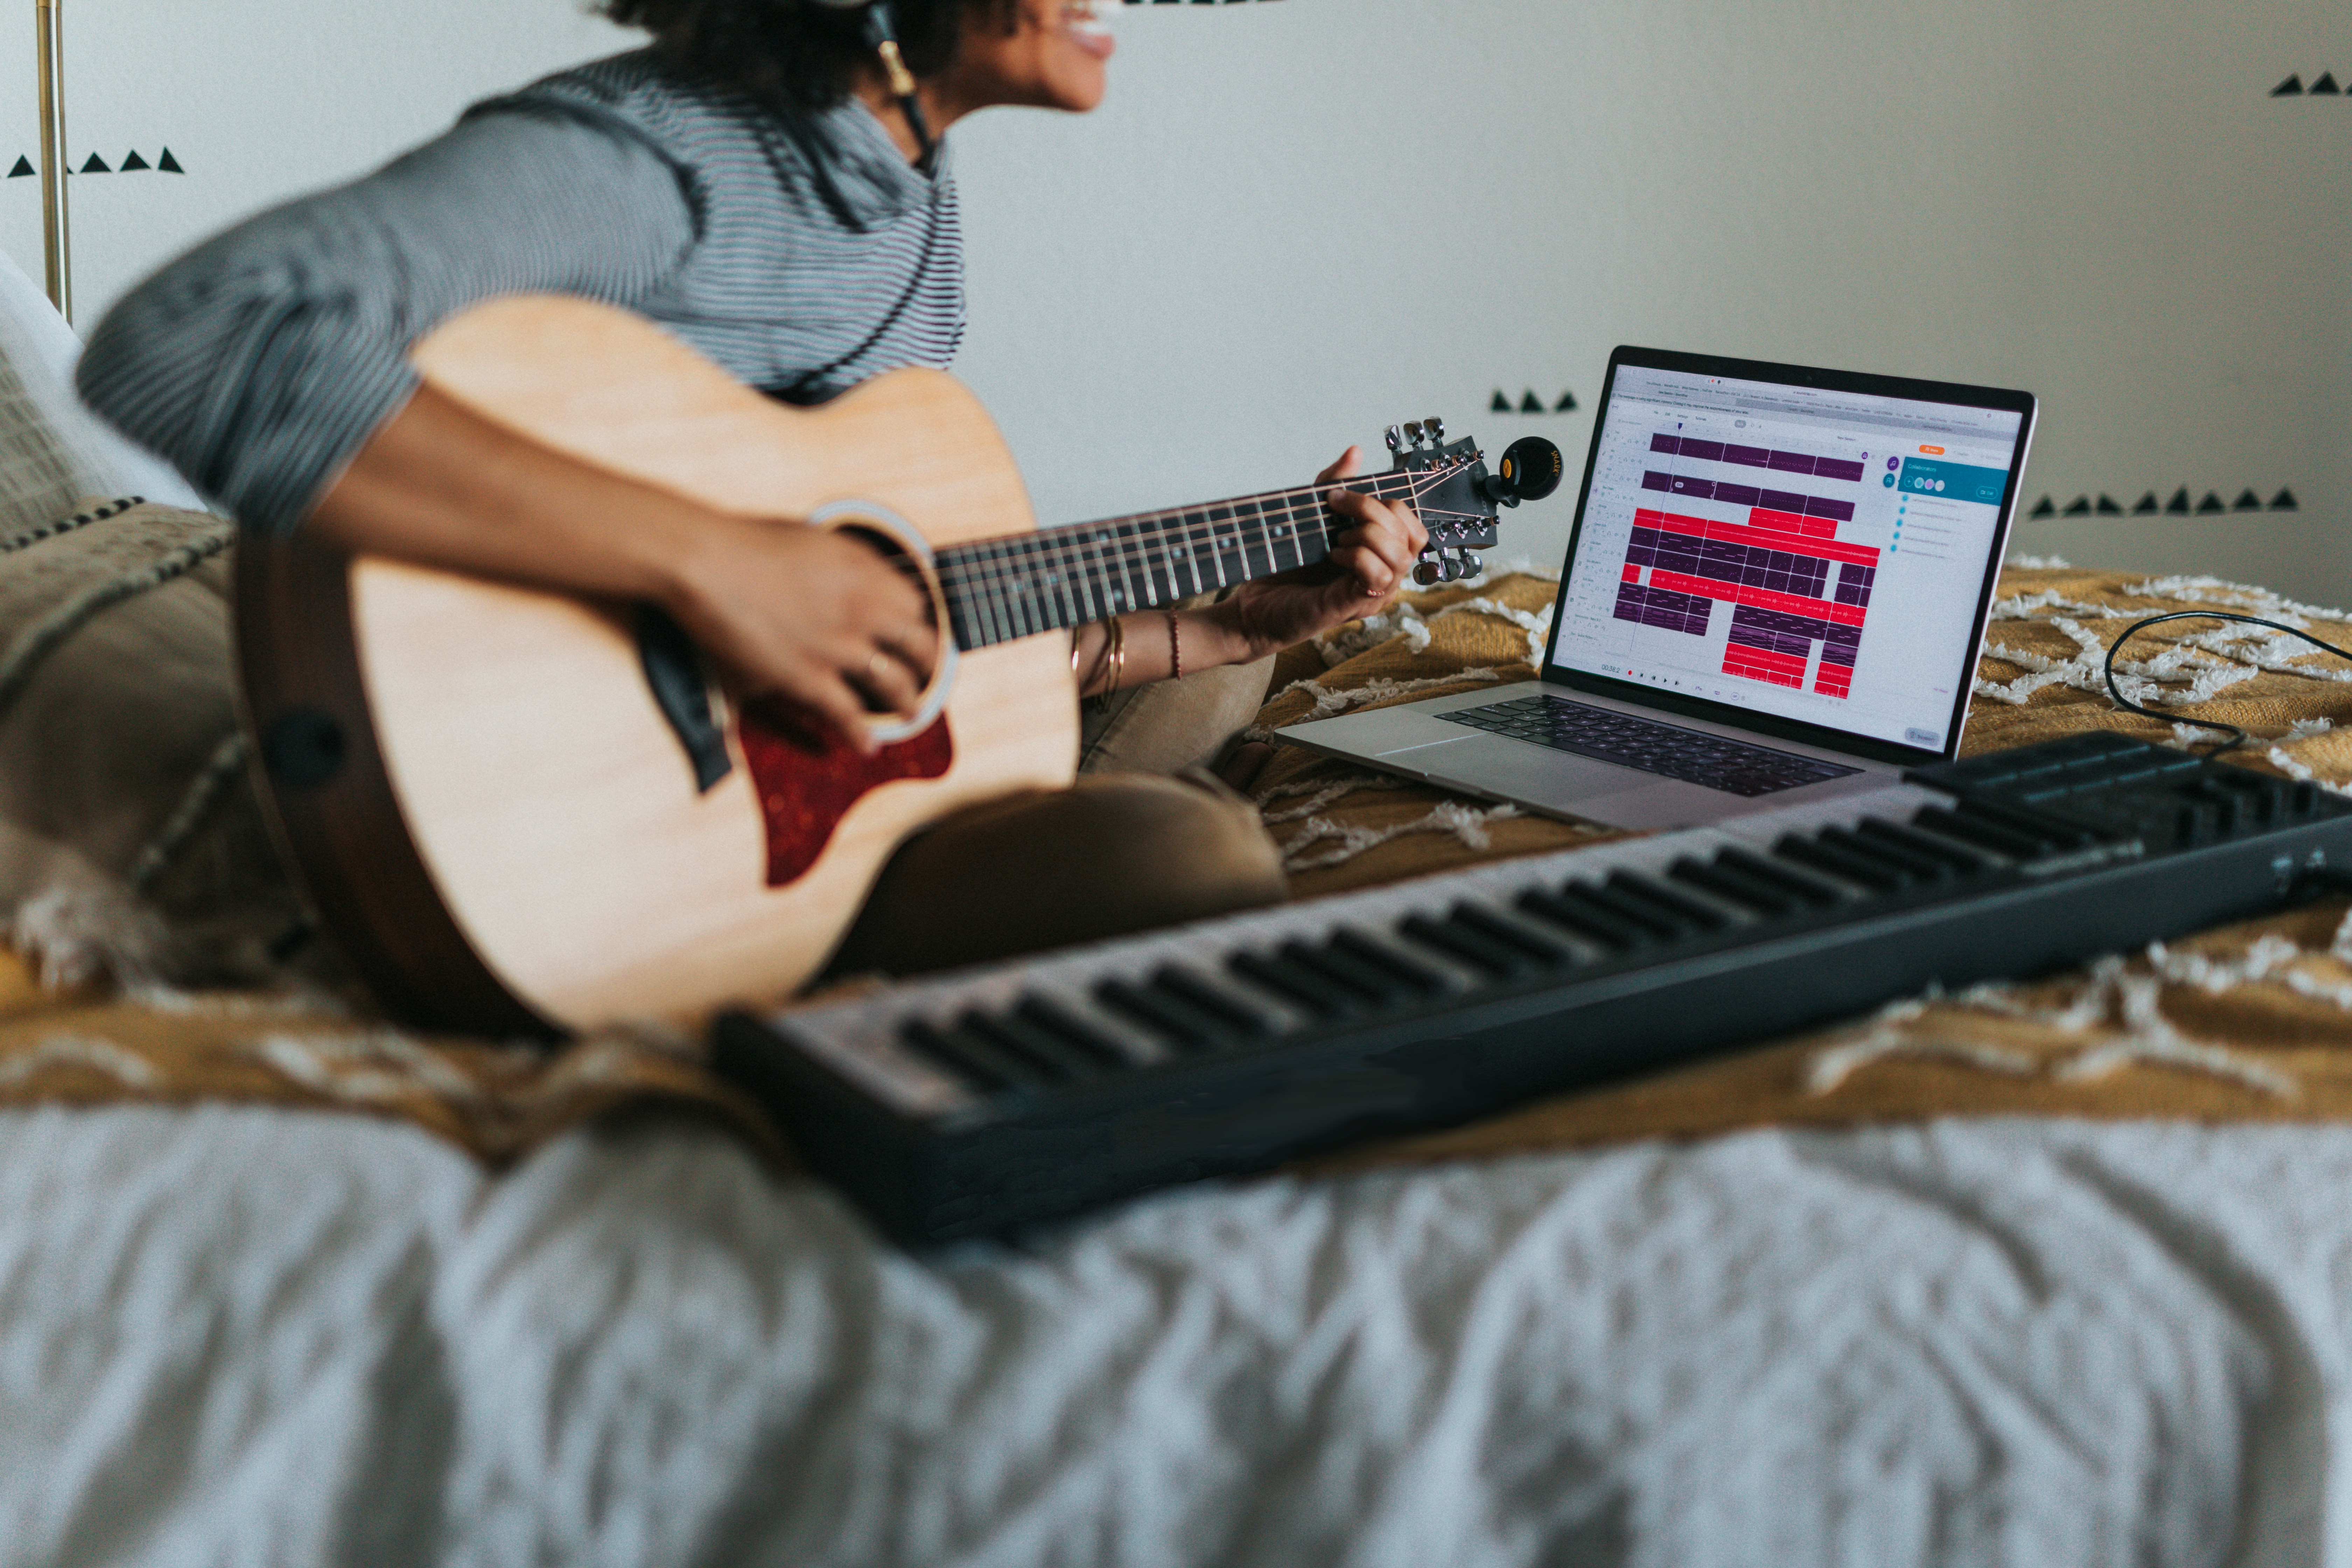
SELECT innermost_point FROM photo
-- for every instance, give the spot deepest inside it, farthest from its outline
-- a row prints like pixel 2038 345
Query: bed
pixel 2048 1273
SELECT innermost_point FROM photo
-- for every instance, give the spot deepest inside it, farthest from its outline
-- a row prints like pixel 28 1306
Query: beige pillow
pixel 130 837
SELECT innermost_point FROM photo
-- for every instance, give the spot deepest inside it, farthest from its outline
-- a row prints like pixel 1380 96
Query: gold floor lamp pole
pixel 56 242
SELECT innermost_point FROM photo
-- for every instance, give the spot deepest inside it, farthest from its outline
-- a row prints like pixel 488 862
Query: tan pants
pixel 1127 848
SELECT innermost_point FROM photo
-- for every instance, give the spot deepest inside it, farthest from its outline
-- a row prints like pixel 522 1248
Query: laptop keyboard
pixel 1667 750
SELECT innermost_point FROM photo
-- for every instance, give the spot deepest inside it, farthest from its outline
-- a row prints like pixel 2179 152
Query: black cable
pixel 2238 736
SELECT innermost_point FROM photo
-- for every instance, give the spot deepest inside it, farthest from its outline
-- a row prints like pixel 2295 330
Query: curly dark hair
pixel 793 58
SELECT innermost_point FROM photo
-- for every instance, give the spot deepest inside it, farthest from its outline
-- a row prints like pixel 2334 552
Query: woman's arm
pixel 260 363
pixel 271 367
pixel 807 611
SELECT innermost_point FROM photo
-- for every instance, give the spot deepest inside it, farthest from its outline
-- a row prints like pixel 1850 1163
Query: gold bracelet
pixel 1113 659
pixel 1102 659
pixel 1175 650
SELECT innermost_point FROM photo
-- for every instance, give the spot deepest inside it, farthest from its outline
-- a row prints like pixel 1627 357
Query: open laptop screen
pixel 1812 553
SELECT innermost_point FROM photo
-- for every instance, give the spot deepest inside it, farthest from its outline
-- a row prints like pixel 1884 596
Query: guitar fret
pixel 1015 601
pixel 1000 599
pixel 1064 606
pixel 1123 596
pixel 1093 538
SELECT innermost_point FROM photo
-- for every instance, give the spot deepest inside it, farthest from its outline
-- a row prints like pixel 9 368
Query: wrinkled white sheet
pixel 245 1336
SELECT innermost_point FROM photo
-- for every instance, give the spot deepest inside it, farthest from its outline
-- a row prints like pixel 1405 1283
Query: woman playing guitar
pixel 762 182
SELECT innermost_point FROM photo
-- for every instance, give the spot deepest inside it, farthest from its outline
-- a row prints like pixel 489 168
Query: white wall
pixel 1296 223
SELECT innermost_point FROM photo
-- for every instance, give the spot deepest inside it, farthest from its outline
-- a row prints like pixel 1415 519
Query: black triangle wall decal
pixel 167 164
pixel 2107 507
pixel 24 167
pixel 2291 87
pixel 2210 504
pixel 2179 505
pixel 2284 502
pixel 1532 404
pixel 2247 501
pixel 2148 503
pixel 2045 507
pixel 2079 506
pixel 1501 404
pixel 97 165
pixel 1567 403
pixel 131 160
pixel 2326 82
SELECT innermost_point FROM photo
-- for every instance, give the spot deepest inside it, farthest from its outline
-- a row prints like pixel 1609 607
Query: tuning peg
pixel 1471 564
pixel 1413 431
pixel 1428 572
pixel 1436 429
pixel 1396 438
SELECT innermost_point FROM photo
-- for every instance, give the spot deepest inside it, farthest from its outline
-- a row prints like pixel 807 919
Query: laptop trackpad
pixel 1564 784
pixel 1537 774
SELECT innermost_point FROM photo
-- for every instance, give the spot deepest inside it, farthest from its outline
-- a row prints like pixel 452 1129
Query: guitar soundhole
pixel 808 778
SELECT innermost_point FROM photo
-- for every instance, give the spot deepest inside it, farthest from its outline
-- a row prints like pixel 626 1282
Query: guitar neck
pixel 1001 589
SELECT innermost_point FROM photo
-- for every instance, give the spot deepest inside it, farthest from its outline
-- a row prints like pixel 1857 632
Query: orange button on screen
pixel 1933 451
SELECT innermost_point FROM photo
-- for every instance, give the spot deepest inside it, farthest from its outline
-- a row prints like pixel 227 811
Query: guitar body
pixel 492 812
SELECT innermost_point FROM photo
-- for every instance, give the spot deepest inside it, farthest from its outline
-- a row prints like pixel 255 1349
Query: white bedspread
pixel 242 1336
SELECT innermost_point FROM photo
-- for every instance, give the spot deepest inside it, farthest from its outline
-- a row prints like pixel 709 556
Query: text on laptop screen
pixel 1812 555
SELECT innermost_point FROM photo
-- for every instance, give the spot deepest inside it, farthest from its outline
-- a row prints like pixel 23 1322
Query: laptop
pixel 1775 587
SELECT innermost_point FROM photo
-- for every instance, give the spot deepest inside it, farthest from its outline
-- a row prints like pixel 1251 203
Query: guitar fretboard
pixel 1001 589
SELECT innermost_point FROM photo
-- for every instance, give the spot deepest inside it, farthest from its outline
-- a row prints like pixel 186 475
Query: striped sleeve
pixel 260 363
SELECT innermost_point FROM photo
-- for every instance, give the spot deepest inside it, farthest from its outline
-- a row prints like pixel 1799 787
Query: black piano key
pixel 1981 831
pixel 1058 1059
pixel 1812 890
pixel 1467 946
pixel 1573 909
pixel 1308 987
pixel 1895 835
pixel 1741 891
pixel 1639 913
pixel 1162 1014
pixel 1045 1012
pixel 975 1061
pixel 1413 972
pixel 1495 928
pixel 1921 868
pixel 1690 912
pixel 1366 980
pixel 1878 876
pixel 1245 1020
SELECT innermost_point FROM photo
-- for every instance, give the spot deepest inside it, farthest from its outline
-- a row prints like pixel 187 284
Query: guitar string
pixel 1012 567
pixel 1005 592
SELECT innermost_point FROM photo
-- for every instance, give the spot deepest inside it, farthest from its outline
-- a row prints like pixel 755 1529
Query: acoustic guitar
pixel 523 813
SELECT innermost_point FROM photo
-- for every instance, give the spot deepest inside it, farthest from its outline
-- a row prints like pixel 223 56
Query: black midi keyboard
pixel 975 1100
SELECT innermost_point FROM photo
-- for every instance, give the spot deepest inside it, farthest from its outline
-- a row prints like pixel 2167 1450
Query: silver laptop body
pixel 1775 587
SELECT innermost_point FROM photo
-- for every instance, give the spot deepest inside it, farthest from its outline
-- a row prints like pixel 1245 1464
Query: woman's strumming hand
pixel 817 617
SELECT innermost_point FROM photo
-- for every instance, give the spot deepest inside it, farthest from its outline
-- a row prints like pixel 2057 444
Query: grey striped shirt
pixel 260 363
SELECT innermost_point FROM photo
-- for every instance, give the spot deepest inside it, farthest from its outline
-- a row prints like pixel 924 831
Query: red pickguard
pixel 808 778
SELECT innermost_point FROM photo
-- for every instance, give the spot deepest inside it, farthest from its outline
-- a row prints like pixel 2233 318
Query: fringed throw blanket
pixel 2253 1023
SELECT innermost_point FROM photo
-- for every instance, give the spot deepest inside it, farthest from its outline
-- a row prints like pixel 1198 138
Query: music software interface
pixel 1816 555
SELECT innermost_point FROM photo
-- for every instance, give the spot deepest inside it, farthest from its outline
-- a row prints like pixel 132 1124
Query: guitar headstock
pixel 1457 496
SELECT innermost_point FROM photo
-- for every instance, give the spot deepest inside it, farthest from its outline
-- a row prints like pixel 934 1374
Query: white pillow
pixel 52 448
